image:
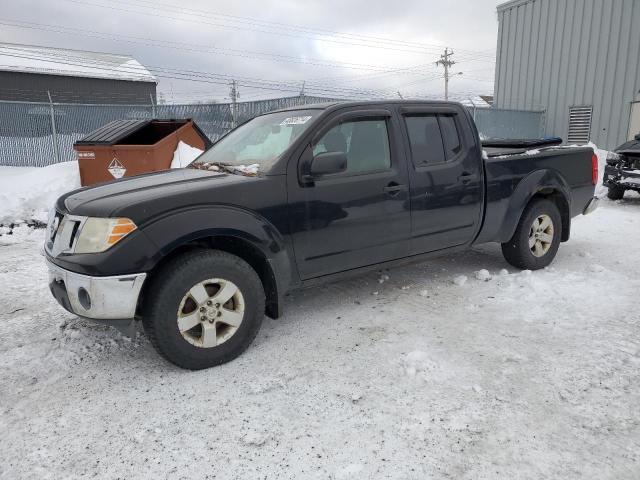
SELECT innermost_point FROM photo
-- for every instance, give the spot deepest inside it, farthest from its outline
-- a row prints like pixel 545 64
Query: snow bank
pixel 27 193
pixel 184 155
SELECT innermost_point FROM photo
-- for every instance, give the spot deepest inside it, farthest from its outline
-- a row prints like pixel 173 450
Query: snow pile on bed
pixel 184 155
pixel 27 193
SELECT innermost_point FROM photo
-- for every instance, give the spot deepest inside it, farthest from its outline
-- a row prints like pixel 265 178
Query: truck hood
pixel 131 196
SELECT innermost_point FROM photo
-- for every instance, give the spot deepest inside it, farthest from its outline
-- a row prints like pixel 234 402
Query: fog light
pixel 84 298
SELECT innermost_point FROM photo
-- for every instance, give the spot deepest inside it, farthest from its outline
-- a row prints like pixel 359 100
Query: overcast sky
pixel 388 46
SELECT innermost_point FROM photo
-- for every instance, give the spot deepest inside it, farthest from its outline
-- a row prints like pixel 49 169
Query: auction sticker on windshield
pixel 296 120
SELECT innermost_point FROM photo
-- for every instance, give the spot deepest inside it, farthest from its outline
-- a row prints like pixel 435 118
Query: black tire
pixel 517 251
pixel 166 291
pixel 615 192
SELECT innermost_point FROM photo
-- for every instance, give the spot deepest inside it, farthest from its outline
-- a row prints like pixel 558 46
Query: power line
pixel 191 75
pixel 219 79
pixel 203 77
pixel 473 56
pixel 183 46
pixel 279 25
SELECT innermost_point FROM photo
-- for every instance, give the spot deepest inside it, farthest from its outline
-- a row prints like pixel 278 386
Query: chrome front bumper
pixel 103 298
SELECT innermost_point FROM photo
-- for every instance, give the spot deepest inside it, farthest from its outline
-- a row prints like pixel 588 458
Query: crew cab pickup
pixel 297 197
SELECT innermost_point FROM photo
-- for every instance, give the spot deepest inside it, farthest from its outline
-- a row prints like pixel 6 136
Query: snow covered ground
pixel 456 368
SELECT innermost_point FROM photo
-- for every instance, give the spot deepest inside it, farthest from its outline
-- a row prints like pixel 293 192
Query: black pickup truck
pixel 297 197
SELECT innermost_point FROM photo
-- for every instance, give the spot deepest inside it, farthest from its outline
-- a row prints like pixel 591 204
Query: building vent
pixel 579 124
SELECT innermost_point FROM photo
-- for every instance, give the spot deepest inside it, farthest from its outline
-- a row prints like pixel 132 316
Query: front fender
pixel 544 181
pixel 192 224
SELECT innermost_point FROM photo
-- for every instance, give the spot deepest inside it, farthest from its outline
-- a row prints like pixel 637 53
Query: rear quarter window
pixel 450 136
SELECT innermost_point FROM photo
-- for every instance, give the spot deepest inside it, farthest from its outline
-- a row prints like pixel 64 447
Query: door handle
pixel 394 189
pixel 466 177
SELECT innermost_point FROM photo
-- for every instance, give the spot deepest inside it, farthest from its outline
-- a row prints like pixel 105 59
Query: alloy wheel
pixel 210 312
pixel 541 235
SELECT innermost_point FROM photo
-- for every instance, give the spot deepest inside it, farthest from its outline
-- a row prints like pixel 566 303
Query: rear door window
pixel 425 140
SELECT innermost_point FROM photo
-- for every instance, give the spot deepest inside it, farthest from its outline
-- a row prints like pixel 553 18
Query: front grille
pixel 62 233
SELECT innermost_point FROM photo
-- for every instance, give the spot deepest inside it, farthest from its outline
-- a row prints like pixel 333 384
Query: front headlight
pixel 99 234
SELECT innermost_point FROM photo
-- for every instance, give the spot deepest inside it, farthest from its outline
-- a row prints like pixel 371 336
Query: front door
pixel 445 180
pixel 358 217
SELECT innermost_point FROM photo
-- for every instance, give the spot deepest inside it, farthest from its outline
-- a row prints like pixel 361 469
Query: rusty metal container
pixel 124 148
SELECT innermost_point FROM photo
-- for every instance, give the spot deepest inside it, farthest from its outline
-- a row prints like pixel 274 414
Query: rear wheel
pixel 537 237
pixel 203 308
pixel 615 192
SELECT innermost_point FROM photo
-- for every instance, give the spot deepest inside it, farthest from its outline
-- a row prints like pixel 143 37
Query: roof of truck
pixel 353 103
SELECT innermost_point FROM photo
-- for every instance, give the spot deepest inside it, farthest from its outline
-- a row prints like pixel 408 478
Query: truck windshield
pixel 258 143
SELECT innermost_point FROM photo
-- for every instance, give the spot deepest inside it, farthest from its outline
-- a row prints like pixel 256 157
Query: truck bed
pixel 509 169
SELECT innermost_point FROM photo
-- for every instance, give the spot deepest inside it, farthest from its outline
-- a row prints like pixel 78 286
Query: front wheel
pixel 537 237
pixel 203 308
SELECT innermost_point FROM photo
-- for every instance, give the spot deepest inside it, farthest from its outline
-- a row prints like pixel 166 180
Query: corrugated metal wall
pixel 33 87
pixel 555 54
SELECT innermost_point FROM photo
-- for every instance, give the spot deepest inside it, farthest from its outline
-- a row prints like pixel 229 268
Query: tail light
pixel 594 169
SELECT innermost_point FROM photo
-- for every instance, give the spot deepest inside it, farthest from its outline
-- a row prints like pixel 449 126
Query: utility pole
pixel 302 94
pixel 447 64
pixel 153 106
pixel 234 94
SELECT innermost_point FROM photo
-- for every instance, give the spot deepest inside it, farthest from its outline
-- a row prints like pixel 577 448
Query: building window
pixel 579 124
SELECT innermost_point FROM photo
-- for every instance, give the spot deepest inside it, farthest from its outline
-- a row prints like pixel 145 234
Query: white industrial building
pixel 579 60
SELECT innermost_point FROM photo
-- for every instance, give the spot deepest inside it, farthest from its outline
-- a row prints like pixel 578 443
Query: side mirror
pixel 328 163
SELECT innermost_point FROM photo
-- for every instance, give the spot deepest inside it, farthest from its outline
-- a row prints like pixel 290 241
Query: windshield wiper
pixel 245 170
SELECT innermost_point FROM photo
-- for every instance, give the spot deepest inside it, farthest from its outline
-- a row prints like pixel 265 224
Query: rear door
pixel 446 177
pixel 358 217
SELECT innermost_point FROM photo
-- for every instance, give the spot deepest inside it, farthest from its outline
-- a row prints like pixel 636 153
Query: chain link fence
pixel 40 134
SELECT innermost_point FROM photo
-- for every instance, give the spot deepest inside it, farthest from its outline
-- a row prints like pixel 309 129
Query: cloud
pixel 323 57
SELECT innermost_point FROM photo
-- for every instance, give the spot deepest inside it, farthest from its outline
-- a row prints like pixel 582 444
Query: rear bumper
pixel 591 206
pixel 103 298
